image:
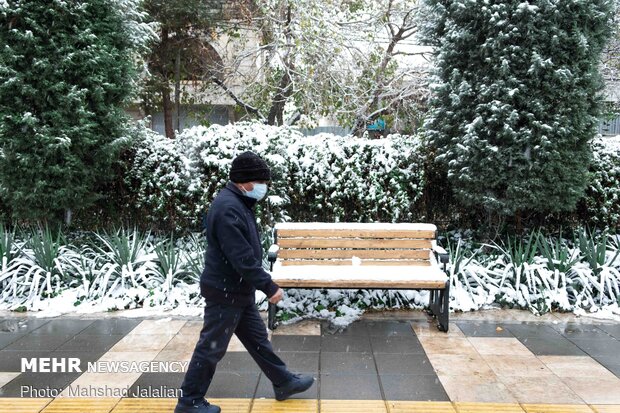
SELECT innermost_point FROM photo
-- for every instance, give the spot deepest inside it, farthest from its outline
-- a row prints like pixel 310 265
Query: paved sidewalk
pixel 387 362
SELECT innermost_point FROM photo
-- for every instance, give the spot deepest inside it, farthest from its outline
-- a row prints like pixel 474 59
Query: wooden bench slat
pixel 419 263
pixel 352 243
pixel 355 233
pixel 333 253
pixel 361 284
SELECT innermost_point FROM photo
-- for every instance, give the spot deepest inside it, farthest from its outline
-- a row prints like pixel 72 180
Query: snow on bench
pixel 361 256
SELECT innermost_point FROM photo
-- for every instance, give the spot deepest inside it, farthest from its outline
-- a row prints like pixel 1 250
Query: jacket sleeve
pixel 231 234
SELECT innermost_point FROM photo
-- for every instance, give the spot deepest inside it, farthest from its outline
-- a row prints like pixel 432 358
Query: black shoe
pixel 297 384
pixel 203 407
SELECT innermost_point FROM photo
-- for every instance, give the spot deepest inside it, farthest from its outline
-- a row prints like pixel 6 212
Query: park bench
pixel 361 256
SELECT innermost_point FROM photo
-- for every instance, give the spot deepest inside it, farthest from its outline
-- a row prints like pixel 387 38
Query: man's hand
pixel 277 296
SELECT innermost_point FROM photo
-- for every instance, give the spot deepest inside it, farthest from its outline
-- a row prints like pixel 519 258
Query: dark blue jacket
pixel 234 257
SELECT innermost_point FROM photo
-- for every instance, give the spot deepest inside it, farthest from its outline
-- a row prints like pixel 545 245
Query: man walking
pixel 232 274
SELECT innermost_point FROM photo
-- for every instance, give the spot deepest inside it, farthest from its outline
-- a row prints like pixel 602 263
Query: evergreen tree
pixel 516 98
pixel 66 71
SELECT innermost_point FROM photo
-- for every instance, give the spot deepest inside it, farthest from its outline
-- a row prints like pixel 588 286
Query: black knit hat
pixel 249 167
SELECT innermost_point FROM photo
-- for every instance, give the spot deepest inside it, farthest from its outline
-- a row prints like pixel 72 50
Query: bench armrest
pixel 272 253
pixel 441 254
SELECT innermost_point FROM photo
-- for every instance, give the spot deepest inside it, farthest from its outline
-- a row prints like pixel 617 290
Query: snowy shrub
pixel 165 189
pixel 601 204
pixel 334 178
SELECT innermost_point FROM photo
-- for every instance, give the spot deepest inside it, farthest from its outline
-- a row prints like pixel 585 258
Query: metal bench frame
pixel 439 302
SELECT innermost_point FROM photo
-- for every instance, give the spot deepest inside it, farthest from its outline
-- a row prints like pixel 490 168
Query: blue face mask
pixel 258 192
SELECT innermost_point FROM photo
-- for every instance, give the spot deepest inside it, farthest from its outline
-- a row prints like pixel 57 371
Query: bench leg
pixel 271 316
pixel 443 315
pixel 439 306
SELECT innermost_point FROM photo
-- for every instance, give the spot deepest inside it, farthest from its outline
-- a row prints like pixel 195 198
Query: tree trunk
pixel 276 113
pixel 165 95
pixel 165 89
pixel 177 89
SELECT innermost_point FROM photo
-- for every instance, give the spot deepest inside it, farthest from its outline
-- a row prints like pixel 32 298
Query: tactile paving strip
pixel 274 406
pixel 556 408
pixel 80 405
pixel 488 408
pixel 420 407
pixel 353 406
pixel 17 405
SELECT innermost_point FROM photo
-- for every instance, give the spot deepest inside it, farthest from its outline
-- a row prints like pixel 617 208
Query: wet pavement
pixel 505 361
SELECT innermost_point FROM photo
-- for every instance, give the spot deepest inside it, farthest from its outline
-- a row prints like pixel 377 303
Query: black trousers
pixel 220 322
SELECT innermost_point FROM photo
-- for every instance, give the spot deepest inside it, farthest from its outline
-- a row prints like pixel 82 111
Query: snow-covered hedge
pixel 601 203
pixel 334 178
pixel 127 269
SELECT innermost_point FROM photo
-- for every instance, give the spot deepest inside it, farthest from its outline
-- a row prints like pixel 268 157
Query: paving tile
pixel 560 408
pixel 107 384
pixel 480 389
pixel 273 406
pixel 238 362
pixel 38 343
pixel 610 363
pixel 38 384
pixel 265 390
pixel 301 328
pixel 355 386
pixel 301 361
pixel 296 343
pixel 163 326
pixel 11 361
pixel 130 356
pixel 111 326
pixel 22 326
pixel 425 329
pixel 157 385
pixel 62 327
pixel 142 343
pixel 488 408
pixel 533 330
pixel 6 377
pixel 339 344
pixel 574 366
pixel 347 363
pixel 581 331
pixel 447 345
pixel 417 364
pixel 84 342
pixel 81 405
pixel 410 387
pixel 181 356
pixel 499 346
pixel 19 405
pixel 611 329
pixel 396 345
pixel 523 366
pixel 602 347
pixel 181 343
pixel 390 329
pixel 233 385
pixel 234 345
pixel 483 329
pixel 551 346
pixel 191 329
pixel 419 407
pixel 457 365
pixel 353 406
pixel 357 328
pixel 601 408
pixel 602 390
pixel 550 390
pixel 8 338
